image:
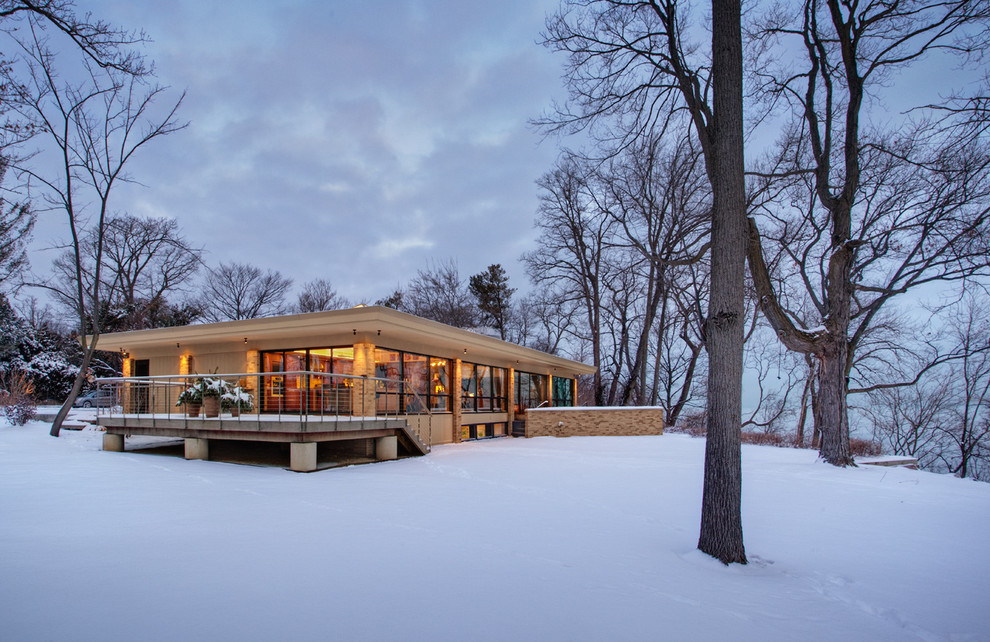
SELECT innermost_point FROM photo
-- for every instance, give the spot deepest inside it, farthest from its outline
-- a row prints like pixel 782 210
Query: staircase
pixel 412 441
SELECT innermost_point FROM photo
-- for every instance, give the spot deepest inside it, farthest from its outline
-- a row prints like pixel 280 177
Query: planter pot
pixel 192 409
pixel 211 406
pixel 235 412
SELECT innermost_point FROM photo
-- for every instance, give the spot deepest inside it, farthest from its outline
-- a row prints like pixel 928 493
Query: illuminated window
pixel 482 388
pixel 531 390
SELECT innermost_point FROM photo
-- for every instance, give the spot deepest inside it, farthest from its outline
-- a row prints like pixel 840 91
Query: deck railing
pixel 303 397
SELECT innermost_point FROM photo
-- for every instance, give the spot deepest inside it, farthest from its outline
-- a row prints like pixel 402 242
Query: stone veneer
pixel 585 421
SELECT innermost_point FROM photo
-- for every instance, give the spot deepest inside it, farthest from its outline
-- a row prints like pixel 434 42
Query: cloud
pixel 348 141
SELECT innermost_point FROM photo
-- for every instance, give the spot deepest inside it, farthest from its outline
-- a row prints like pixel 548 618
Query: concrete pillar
pixel 302 456
pixel 387 448
pixel 113 443
pixel 197 448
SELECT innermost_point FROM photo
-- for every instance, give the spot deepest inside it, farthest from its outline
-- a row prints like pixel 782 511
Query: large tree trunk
pixel 831 413
pixel 721 510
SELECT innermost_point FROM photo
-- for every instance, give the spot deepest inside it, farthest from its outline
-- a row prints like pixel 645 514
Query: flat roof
pixel 371 324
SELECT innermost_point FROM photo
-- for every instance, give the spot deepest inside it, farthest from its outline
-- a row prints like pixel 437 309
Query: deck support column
pixel 387 448
pixel 302 456
pixel 113 443
pixel 197 448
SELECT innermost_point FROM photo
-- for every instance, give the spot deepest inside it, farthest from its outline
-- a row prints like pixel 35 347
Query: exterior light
pixel 245 339
pixel 355 331
pixel 177 344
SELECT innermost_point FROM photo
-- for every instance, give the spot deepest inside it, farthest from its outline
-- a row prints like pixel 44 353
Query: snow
pixel 583 538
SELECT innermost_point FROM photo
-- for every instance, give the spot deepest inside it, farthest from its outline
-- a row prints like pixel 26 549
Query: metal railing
pixel 250 400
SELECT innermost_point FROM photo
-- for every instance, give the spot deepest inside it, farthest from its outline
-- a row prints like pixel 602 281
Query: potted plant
pixel 192 399
pixel 213 390
pixel 236 400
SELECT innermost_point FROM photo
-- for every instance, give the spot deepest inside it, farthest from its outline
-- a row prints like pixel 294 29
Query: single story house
pixel 336 364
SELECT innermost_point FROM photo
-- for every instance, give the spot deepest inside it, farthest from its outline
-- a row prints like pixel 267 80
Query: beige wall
pixel 594 422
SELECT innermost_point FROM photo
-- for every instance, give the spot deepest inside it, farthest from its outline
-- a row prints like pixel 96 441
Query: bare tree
pixel 848 50
pixel 94 127
pixel 661 198
pixel 575 236
pixel 630 71
pixel 235 291
pixel 942 417
pixel 438 293
pixel 906 420
pixel 143 260
pixel 16 222
pixel 319 295
pixel 104 44
pixel 966 434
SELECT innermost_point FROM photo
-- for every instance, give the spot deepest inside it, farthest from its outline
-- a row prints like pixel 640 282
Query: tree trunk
pixel 721 512
pixel 831 414
pixel 63 412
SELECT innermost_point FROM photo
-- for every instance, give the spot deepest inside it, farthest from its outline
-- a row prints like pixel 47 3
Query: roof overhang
pixel 373 324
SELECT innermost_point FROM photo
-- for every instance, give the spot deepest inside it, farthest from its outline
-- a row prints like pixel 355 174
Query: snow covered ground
pixel 508 539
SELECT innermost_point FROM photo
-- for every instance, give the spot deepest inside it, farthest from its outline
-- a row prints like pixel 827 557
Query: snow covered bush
pixel 52 375
pixel 237 397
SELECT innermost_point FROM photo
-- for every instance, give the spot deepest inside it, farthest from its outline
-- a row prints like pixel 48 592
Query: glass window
pixel 388 365
pixel 562 389
pixel 483 388
pixel 321 360
pixel 343 361
pixel 469 387
pixel 415 372
pixel 439 385
pixel 531 390
pixel 484 376
pixel 499 377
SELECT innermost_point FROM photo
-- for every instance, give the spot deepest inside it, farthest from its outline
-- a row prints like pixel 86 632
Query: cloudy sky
pixel 353 141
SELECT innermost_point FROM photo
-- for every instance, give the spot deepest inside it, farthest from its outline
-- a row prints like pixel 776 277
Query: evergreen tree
pixel 491 289
pixel 39 354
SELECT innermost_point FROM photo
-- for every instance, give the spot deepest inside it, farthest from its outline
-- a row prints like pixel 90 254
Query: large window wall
pixel 427 382
pixel 299 392
pixel 483 388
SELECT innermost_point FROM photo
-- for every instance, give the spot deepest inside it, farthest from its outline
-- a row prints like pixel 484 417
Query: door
pixel 142 368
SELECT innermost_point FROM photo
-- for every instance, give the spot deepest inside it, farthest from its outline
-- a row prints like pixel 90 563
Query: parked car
pixel 100 398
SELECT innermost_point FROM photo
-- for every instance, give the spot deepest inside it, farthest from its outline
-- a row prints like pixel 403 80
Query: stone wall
pixel 586 421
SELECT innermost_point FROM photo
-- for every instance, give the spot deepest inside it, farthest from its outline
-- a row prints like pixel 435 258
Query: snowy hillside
pixel 510 539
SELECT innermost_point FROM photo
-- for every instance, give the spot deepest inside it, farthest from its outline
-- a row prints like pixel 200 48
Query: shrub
pixel 16 397
pixel 863 447
pixel 692 424
pixel 765 439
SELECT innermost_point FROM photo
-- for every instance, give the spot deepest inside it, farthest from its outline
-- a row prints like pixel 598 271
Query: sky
pixel 348 141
